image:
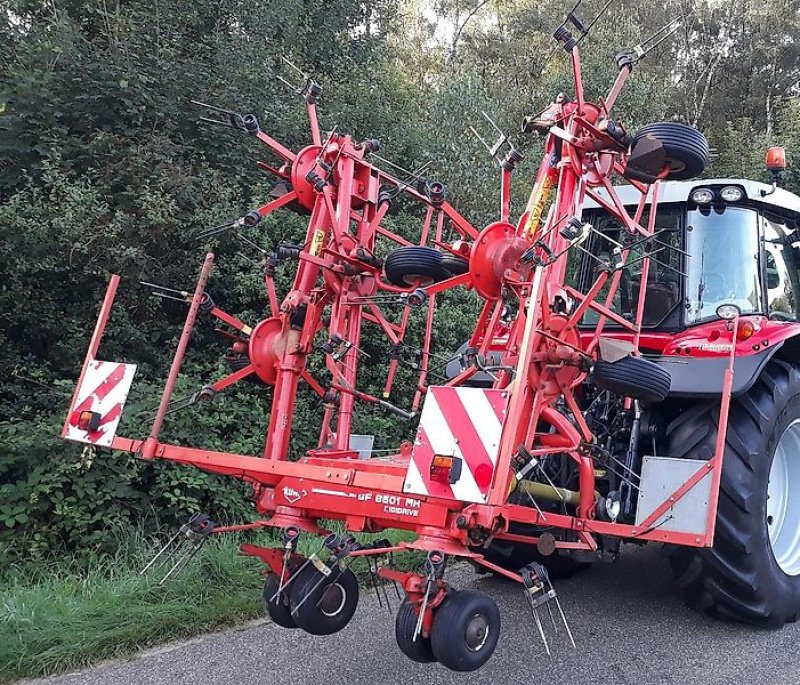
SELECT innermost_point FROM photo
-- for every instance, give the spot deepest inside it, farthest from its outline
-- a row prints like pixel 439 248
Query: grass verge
pixel 60 618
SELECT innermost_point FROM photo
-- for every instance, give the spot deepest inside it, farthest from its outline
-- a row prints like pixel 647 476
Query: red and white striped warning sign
pixel 103 390
pixel 458 422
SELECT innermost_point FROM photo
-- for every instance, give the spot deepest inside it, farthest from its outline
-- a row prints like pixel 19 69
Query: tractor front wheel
pixel 752 573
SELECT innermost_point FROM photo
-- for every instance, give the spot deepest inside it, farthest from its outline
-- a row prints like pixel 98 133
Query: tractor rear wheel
pixel 752 573
pixel 685 148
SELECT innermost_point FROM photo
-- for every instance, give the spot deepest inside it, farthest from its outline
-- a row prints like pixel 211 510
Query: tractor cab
pixel 720 241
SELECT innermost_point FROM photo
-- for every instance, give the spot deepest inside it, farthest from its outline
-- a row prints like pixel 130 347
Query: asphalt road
pixel 629 625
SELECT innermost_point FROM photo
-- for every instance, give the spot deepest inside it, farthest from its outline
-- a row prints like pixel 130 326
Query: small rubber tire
pixel 414 266
pixel 634 377
pixel 739 578
pixel 463 618
pixel 456 266
pixel 685 148
pixel 277 609
pixel 332 602
pixel 405 623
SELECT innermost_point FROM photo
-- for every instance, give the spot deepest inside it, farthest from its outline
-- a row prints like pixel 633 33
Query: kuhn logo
pixel 291 495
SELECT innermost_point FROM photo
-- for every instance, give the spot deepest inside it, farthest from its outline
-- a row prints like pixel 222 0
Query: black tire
pixel 457 638
pixel 414 265
pixel 685 148
pixel 456 266
pixel 332 602
pixel 277 609
pixel 405 623
pixel 633 377
pixel 738 578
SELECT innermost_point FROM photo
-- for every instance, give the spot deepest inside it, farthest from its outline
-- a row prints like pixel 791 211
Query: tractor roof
pixel 678 191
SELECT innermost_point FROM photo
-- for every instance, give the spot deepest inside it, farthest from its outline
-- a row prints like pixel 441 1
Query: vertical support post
pixel 505 194
pixel 722 431
pixel 149 446
pixel 312 118
pixel 94 343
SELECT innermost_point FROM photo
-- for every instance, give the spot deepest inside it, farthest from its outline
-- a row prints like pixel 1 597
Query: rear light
pixel 446 470
pixel 745 329
pixel 89 421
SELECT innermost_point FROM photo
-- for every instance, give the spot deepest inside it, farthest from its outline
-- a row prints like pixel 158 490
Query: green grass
pixel 56 617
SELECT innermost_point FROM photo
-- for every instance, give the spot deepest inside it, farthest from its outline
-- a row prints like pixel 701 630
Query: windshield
pixel 722 267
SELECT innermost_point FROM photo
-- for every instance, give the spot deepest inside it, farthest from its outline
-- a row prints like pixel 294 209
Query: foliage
pixel 60 615
pixel 103 170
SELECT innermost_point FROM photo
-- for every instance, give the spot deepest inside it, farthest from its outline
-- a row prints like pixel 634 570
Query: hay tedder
pixel 633 376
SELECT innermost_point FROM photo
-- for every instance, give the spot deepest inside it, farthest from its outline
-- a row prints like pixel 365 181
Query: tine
pixel 539 626
pixel 182 561
pixel 160 552
pixel 552 617
pixel 213 108
pixel 310 592
pixel 566 625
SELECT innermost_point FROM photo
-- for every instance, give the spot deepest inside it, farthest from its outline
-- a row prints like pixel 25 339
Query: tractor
pixel 633 376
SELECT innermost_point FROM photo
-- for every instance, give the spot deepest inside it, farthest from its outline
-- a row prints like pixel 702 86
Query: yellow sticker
pixel 316 242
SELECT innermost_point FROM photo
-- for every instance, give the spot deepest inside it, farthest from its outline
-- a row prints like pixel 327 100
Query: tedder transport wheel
pixel 414 265
pixel 454 265
pixel 277 609
pixel 323 605
pixel 633 377
pixel 752 573
pixel 466 627
pixel 405 624
pixel 685 148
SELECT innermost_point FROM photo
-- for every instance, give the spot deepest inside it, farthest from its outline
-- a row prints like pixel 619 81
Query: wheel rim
pixel 783 501
pixel 333 600
pixel 476 633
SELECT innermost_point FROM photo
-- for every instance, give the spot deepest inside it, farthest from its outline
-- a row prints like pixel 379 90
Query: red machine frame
pixel 339 273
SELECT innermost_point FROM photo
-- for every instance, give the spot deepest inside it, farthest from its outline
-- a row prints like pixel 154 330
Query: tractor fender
pixel 704 376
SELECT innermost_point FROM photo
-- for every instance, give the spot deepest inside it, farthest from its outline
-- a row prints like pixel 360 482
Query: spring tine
pixel 283 571
pixel 181 563
pixel 383 586
pixel 566 625
pixel 166 546
pixel 373 580
pixel 298 571
pixel 423 607
pixel 311 591
pixel 552 617
pixel 538 622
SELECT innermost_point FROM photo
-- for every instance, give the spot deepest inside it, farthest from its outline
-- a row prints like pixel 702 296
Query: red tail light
pixel 445 470
pixel 89 421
